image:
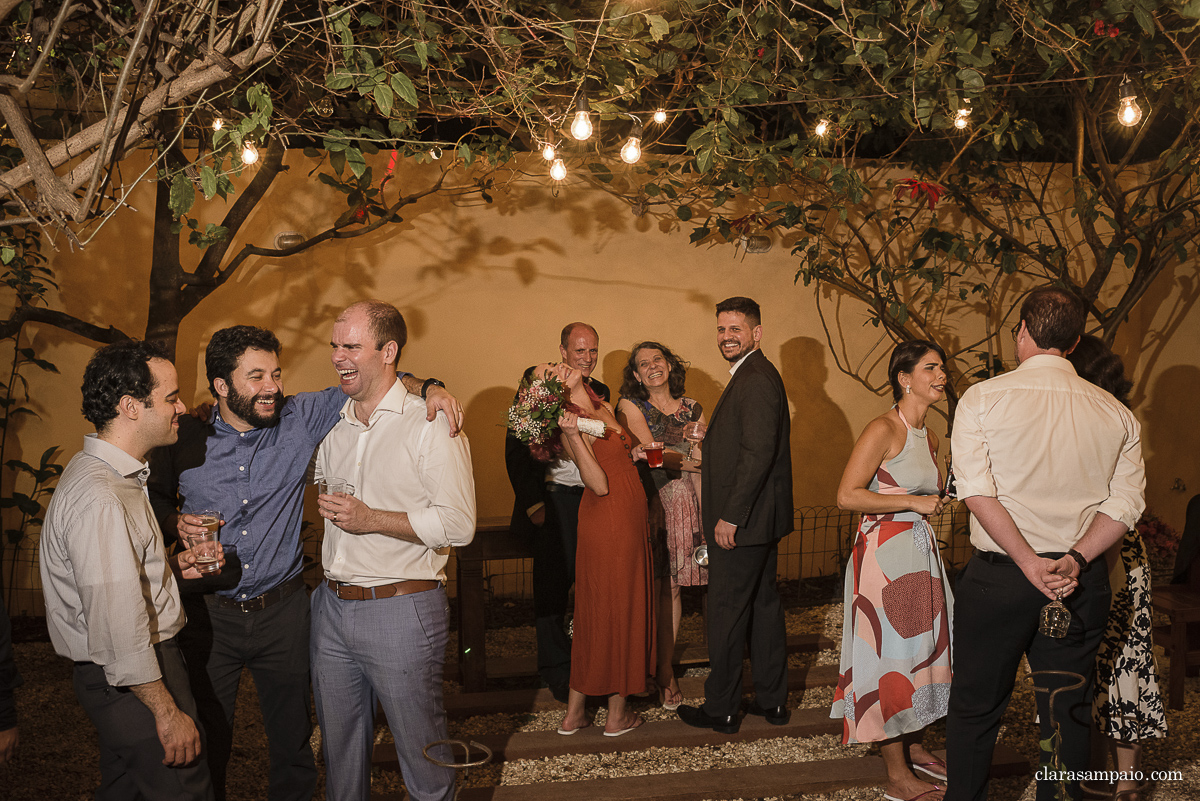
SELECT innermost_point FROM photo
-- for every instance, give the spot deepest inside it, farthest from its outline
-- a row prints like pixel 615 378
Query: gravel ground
pixel 58 753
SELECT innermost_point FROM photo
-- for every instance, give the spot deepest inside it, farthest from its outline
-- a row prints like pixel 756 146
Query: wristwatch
pixel 1078 557
pixel 430 382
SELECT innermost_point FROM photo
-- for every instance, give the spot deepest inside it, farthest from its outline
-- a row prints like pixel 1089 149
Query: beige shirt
pixel 110 593
pixel 398 462
pixel 1053 448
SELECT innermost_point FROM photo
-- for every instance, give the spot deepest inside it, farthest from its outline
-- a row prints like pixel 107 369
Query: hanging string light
pixel 581 127
pixel 558 170
pixel 324 106
pixel 249 153
pixel 1129 113
pixel 822 128
pixel 962 117
pixel 660 116
pixel 548 152
pixel 218 123
pixel 435 153
pixel 631 153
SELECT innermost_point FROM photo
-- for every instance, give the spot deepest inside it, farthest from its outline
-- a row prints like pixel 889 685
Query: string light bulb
pixel 218 123
pixel 548 152
pixel 660 116
pixel 581 127
pixel 822 128
pixel 249 153
pixel 631 153
pixel 324 106
pixel 962 117
pixel 435 153
pixel 558 170
pixel 1129 113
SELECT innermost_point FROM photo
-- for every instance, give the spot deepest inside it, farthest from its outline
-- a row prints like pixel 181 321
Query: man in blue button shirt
pixel 250 461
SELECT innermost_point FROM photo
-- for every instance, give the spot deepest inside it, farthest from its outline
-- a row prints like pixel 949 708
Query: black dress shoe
pixel 776 715
pixel 696 716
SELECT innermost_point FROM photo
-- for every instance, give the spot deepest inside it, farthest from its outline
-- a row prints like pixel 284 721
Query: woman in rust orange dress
pixel 612 651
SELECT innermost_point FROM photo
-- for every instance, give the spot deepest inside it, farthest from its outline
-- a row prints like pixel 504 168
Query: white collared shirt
pixel 1053 448
pixel 110 593
pixel 398 462
pixel 738 363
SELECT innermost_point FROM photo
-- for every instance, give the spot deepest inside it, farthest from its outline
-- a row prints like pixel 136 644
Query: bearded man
pixel 250 461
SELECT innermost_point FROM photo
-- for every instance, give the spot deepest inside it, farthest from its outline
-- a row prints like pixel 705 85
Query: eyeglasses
pixel 1016 329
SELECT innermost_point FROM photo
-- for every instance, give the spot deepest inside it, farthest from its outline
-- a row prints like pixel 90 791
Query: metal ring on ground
pixel 466 747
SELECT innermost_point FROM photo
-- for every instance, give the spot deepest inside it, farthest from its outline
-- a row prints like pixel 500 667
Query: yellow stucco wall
pixel 485 289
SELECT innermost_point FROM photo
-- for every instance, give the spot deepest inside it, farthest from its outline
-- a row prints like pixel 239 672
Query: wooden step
pixel 758 781
pixel 686 655
pixel 464 705
pixel 658 734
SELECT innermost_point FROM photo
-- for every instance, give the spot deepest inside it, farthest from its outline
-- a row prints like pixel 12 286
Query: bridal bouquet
pixel 533 416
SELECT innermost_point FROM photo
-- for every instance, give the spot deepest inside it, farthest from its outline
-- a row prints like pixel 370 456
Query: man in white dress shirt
pixel 112 605
pixel 380 621
pixel 1051 468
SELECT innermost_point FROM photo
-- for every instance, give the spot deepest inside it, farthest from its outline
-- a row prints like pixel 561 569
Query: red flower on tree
pixel 915 189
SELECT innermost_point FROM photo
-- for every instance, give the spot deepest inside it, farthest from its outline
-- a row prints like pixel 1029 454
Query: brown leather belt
pixel 352 592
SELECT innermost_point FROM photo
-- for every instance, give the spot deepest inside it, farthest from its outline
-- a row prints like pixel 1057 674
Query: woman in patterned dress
pixel 1128 705
pixel 653 408
pixel 895 667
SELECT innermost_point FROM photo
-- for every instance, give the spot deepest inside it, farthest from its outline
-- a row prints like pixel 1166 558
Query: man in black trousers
pixel 746 506
pixel 546 509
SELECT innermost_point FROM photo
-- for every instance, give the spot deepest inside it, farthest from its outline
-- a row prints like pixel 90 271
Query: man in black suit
pixel 547 510
pixel 746 505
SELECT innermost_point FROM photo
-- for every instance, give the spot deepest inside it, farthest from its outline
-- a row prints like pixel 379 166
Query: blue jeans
pixel 392 651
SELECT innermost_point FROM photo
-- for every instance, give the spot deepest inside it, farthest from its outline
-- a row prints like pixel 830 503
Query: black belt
pixel 258 602
pixel 563 488
pixel 997 558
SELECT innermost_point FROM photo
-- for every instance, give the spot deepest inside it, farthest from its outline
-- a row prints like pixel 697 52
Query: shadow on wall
pixel 821 435
pixel 1171 440
pixel 485 426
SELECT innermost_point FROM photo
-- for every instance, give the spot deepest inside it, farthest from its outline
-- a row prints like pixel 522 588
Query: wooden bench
pixel 1181 604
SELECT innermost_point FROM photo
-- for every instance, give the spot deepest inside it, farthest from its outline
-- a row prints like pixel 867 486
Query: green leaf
pixel 383 98
pixel 208 182
pixel 684 213
pixel 971 79
pixel 354 158
pixel 704 159
pixel 7 254
pixel 402 86
pixel 370 20
pixel 464 153
pixel 658 27
pixel 183 195
pixel 1191 10
pixel 1144 20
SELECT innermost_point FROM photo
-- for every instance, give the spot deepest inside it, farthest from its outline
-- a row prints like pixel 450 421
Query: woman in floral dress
pixel 1128 705
pixel 654 409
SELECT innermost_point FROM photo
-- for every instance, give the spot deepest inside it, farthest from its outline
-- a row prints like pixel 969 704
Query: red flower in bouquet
pixel 533 416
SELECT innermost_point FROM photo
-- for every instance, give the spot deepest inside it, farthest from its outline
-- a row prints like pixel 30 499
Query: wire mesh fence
pixel 813 555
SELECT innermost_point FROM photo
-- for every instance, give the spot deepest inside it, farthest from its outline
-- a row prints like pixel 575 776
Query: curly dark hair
pixel 1053 317
pixel 115 371
pixel 1096 363
pixel 632 388
pixel 905 358
pixel 744 306
pixel 227 346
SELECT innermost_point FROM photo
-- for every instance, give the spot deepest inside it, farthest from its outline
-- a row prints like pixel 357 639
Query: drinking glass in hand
pixel 693 433
pixel 207 546
pixel 654 453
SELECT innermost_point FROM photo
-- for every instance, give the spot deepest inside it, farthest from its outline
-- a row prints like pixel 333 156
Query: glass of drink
pixel 654 453
pixel 693 433
pixel 328 486
pixel 207 546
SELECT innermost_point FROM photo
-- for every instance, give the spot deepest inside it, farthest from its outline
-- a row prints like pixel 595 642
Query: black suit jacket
pixel 747 466
pixel 526 474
